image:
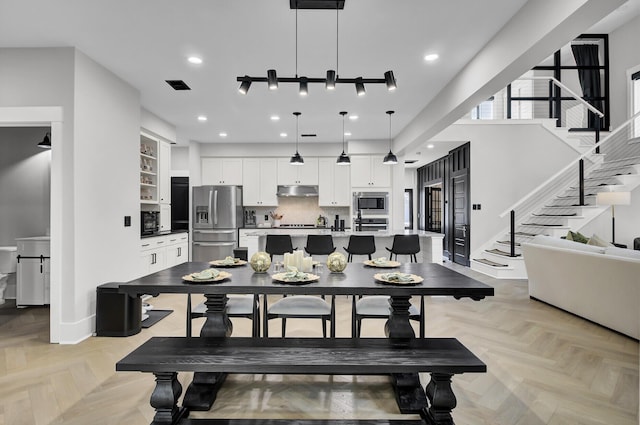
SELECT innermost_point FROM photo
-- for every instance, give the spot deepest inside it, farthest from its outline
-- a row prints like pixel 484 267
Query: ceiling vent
pixel 410 161
pixel 308 135
pixel 178 84
pixel 316 4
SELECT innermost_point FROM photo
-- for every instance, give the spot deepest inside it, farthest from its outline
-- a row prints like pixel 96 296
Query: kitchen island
pixel 430 243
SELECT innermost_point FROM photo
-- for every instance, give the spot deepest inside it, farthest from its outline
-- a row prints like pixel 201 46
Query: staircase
pixel 555 217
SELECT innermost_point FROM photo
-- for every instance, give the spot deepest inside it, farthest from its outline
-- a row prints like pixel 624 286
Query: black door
pixel 460 220
pixel 459 230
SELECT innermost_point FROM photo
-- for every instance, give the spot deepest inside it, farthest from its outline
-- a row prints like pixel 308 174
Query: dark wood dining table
pixel 357 279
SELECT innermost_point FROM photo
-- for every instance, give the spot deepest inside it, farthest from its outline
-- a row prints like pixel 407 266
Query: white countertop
pixel 263 231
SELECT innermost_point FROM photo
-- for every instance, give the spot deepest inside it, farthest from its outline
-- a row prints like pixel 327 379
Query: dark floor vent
pixel 178 84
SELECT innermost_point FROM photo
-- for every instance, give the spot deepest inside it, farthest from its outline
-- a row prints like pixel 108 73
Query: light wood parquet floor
pixel 544 367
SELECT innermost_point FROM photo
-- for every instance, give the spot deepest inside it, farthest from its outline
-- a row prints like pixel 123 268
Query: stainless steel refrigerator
pixel 217 214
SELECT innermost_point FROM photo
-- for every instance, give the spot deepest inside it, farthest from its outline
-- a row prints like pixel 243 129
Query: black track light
pixel 360 87
pixel 390 80
pixel 331 80
pixel 272 79
pixel 304 90
pixel 244 86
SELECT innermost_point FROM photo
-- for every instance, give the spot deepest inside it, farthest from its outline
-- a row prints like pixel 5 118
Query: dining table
pixel 356 280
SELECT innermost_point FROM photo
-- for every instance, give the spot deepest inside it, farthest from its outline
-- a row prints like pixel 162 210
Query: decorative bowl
pixel 336 262
pixel 260 262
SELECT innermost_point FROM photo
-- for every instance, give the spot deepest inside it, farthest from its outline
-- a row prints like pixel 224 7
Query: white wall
pixel 101 119
pixel 107 126
pixel 25 184
pixel 623 55
pixel 508 160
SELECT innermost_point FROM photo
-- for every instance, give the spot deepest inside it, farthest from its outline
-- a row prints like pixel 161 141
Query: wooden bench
pixel 166 356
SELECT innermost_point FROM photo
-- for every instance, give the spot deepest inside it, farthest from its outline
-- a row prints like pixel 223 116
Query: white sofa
pixel 601 284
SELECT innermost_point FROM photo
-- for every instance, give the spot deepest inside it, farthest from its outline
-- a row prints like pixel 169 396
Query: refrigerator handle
pixel 209 206
pixel 215 207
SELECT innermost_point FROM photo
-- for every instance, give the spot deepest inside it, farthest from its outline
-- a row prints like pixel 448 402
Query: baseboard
pixel 76 332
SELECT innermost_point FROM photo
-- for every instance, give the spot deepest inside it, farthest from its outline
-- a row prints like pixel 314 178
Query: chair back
pixel 361 245
pixel 405 244
pixel 319 245
pixel 278 244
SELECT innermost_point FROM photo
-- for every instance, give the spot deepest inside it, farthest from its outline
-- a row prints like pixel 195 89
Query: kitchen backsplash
pixel 300 211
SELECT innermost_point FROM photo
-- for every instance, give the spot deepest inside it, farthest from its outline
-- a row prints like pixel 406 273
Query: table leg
pixel 203 390
pixel 410 395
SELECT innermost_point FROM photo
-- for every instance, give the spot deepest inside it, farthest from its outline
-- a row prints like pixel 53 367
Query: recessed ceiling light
pixel 274 118
pixel 283 134
pixel 194 60
pixel 431 57
pixel 346 133
pixel 202 118
pixel 353 117
pixel 222 134
pixel 429 146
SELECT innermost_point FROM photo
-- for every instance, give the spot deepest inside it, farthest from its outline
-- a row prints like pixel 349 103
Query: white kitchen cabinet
pixel 334 186
pixel 306 174
pixel 165 217
pixel 368 171
pixel 164 172
pixel 222 171
pixel 33 271
pixel 177 249
pixel 259 177
pixel 148 170
pixel 161 252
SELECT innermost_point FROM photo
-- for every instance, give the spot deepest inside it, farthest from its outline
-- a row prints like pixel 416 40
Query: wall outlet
pixel 127 221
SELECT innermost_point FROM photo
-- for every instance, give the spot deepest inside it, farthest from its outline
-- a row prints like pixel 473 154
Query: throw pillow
pixel 577 237
pixel 596 240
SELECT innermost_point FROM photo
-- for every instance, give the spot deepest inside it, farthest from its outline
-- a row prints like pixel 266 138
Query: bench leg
pixel 165 399
pixel 202 391
pixel 441 400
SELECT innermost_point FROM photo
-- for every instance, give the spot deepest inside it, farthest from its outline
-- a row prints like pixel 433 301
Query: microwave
pixel 149 222
pixel 371 203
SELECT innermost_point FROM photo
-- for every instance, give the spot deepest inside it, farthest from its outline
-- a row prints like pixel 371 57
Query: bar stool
pixel 319 245
pixel 278 245
pixel 360 245
pixel 405 245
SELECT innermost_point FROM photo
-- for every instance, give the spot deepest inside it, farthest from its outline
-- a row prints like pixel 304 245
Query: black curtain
pixel 586 55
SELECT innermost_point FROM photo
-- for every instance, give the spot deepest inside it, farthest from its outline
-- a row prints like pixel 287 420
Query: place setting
pixel 206 276
pixel 294 277
pixel 396 278
pixel 228 261
pixel 382 263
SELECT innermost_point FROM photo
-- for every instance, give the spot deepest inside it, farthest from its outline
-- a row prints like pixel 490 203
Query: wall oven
pixel 149 222
pixel 371 203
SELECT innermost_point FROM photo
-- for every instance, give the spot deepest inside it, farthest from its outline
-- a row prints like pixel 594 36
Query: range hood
pixel 297 191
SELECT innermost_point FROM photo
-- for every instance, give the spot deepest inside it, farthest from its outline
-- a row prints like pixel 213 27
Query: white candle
pixel 307 264
pixel 298 256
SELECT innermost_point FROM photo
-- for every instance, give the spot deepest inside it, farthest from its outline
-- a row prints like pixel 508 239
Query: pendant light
pixel 296 159
pixel 390 159
pixel 46 142
pixel 343 159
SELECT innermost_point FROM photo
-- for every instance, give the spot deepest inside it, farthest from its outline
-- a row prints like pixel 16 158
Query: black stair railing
pixel 513 234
